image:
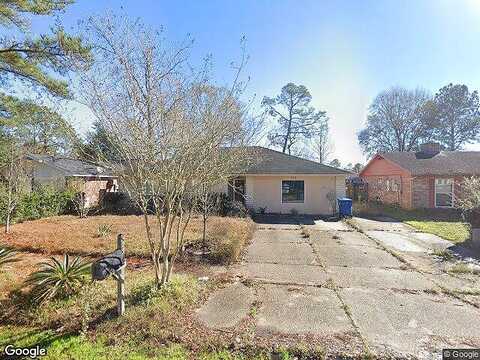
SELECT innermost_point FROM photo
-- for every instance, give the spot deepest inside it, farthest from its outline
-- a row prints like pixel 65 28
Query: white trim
pixel 435 193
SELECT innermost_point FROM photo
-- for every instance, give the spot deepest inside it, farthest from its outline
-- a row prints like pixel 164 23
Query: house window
pixel 292 191
pixel 443 192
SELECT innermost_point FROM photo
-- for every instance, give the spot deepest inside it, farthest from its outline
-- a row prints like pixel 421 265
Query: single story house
pixel 90 179
pixel 429 178
pixel 282 183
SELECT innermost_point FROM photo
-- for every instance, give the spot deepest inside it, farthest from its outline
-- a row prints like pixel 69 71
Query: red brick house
pixel 429 178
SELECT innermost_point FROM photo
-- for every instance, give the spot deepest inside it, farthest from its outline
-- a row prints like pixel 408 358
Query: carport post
pixel 121 278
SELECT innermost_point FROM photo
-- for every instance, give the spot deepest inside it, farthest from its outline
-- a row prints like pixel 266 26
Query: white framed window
pixel 444 192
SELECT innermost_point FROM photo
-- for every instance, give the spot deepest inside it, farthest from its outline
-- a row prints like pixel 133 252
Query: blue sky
pixel 345 52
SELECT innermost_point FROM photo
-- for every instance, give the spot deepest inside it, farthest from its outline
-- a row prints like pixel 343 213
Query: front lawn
pixel 446 224
pixel 157 324
pixel 95 235
pixel 456 232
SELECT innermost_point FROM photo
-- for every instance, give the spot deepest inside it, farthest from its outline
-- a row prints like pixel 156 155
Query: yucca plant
pixel 56 279
pixel 7 256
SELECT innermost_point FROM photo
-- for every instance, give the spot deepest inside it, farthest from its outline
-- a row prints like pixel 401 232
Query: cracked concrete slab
pixel 375 225
pixel 377 278
pixel 331 225
pixel 276 236
pixel 397 241
pixel 227 307
pixel 455 283
pixel 287 274
pixel 432 241
pixel 281 253
pixel 294 310
pixel 355 256
pixel 412 323
pixel 341 238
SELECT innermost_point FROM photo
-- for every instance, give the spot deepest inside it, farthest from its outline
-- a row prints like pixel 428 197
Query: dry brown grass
pixel 70 234
pixel 12 275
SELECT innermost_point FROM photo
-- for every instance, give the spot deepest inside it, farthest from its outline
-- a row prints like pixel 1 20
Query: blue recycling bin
pixel 345 207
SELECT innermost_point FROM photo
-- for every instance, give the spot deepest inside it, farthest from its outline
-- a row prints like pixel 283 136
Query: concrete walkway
pixel 332 280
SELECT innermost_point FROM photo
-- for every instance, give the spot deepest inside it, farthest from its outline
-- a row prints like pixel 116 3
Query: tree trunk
pixel 289 131
pixel 452 139
pixel 7 224
pixel 204 230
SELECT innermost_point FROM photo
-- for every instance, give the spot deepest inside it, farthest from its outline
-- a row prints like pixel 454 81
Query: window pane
pixel 444 192
pixel 444 200
pixel 292 191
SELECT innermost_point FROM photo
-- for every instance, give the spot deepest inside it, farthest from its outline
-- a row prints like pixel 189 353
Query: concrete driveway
pixel 350 289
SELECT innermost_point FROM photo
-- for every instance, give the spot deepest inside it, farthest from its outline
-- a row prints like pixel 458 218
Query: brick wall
pixel 377 173
pixel 421 192
pixel 386 189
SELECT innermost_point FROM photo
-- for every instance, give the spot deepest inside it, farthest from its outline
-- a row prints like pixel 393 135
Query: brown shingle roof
pixel 444 163
pixel 269 161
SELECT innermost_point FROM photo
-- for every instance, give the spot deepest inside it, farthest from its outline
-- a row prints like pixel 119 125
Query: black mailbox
pixel 108 264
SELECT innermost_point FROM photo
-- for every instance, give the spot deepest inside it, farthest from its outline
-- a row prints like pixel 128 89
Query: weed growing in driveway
pixel 445 255
pixel 463 268
pixel 305 232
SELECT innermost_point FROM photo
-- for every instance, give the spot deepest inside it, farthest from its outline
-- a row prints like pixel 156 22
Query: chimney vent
pixel 429 149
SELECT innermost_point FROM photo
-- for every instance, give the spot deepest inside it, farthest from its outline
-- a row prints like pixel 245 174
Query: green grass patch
pixel 456 232
pixel 463 268
pixel 82 348
pixel 446 223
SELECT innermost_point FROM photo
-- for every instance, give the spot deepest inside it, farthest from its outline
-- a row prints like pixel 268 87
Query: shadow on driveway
pixel 286 219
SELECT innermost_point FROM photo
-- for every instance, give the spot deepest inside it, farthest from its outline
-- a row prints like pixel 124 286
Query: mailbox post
pixel 113 264
pixel 121 278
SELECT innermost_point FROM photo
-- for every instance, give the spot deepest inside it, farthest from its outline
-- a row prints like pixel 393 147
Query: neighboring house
pixel 280 183
pixel 89 178
pixel 429 178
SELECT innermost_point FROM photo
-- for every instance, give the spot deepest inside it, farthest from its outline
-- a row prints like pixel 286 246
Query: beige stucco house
pixel 89 178
pixel 282 183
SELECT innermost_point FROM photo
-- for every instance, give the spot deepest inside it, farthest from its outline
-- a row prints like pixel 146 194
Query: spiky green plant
pixel 56 279
pixel 7 256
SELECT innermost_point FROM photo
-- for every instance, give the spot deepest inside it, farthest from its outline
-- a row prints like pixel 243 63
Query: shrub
pixel 228 207
pixel 228 242
pixel 44 201
pixel 57 279
pixel 7 256
pixel 118 203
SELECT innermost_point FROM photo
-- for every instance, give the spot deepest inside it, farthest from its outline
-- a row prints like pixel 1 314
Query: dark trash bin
pixel 345 207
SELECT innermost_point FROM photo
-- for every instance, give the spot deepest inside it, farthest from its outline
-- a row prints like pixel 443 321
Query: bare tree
pixel 322 143
pixel 458 114
pixel 468 200
pixel 206 204
pixel 167 124
pixel 398 120
pixel 297 120
pixel 14 181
